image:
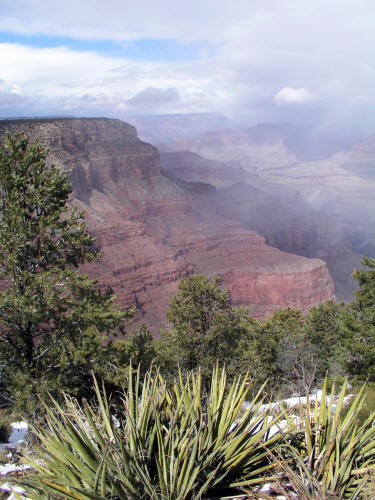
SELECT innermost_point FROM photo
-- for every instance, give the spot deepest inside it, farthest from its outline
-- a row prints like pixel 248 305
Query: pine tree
pixel 192 313
pixel 204 329
pixel 359 325
pixel 141 348
pixel 53 320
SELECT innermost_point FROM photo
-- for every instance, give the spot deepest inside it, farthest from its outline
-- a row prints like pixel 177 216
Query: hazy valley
pixel 187 250
pixel 154 229
pixel 318 208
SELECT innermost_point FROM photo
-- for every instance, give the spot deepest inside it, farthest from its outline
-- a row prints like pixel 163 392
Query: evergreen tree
pixel 294 350
pixel 141 348
pixel 192 313
pixel 359 325
pixel 53 320
pixel 137 350
pixel 323 329
pixel 204 328
pixel 266 344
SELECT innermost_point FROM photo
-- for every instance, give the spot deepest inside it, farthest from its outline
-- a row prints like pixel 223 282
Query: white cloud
pixel 153 98
pixel 289 95
pixel 58 80
pixel 268 53
pixel 125 19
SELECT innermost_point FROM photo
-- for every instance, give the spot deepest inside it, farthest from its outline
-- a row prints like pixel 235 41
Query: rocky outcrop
pixel 153 231
pixel 91 152
pixel 272 289
pixel 341 186
pixel 292 227
pixel 282 217
pixel 360 159
pixel 192 167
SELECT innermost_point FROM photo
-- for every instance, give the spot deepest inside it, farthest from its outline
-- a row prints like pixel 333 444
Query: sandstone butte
pixel 153 231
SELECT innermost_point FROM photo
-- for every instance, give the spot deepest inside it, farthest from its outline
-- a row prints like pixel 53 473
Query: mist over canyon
pixel 234 202
pixel 316 205
pixel 155 227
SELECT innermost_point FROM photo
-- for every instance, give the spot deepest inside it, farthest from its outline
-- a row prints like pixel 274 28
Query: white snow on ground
pixel 17 436
pixel 295 401
pixel 314 396
pixel 280 426
pixel 13 489
pixel 299 401
pixel 268 489
pixel 7 468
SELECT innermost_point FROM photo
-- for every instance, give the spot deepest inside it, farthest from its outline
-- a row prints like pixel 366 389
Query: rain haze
pixel 307 63
pixel 201 174
pixel 274 94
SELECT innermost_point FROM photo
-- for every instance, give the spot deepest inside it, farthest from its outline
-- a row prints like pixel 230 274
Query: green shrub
pixel 368 406
pixel 176 443
pixel 5 428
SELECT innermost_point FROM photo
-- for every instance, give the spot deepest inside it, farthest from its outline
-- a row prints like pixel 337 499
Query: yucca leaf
pixel 66 492
pixel 104 409
pixel 167 446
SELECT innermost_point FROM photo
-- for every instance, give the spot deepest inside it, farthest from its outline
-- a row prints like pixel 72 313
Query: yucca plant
pixel 336 452
pixel 164 443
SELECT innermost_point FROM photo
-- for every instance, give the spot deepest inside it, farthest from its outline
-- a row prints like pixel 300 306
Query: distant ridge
pixel 20 119
pixel 52 117
pixel 153 231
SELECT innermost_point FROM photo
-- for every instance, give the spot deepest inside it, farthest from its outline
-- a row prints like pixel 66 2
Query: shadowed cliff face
pixel 277 204
pixel 81 147
pixel 154 231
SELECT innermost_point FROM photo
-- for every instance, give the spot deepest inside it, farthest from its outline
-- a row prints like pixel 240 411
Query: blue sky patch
pixel 147 49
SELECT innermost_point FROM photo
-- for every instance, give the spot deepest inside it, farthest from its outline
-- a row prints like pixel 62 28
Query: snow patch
pixel 300 401
pixel 15 491
pixel 7 468
pixel 17 436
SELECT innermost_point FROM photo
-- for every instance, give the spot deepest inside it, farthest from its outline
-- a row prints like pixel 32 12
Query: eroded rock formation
pixel 154 231
pixel 316 209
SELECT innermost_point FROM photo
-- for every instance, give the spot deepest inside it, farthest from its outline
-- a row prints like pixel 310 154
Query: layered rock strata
pixel 279 212
pixel 153 231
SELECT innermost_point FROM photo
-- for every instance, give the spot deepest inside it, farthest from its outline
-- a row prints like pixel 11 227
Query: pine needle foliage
pixel 53 319
pixel 165 443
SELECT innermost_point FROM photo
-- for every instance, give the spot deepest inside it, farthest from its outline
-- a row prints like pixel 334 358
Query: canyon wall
pixel 299 209
pixel 154 231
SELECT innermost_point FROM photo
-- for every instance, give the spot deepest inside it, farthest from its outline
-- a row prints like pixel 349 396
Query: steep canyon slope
pixel 319 208
pixel 153 231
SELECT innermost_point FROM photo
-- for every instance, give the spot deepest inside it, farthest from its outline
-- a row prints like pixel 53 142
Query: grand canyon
pixel 187 251
pixel 155 226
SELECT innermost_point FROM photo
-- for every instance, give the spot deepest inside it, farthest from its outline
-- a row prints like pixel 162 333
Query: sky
pixel 309 62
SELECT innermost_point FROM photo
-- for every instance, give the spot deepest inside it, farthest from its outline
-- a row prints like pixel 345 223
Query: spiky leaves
pixel 164 444
pixel 338 451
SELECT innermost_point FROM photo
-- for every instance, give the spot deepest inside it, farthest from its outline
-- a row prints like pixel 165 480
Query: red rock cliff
pixel 153 232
